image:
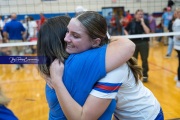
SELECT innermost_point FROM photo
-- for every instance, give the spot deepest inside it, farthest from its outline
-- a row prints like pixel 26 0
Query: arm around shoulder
pixel 118 52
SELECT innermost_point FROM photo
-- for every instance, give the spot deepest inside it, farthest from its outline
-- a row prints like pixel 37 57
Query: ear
pixel 96 42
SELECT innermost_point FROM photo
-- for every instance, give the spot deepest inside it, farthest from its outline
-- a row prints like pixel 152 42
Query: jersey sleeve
pixel 108 86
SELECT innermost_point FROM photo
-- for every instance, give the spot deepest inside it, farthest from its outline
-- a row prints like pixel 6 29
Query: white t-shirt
pixel 176 28
pixel 1 24
pixel 32 28
pixel 134 101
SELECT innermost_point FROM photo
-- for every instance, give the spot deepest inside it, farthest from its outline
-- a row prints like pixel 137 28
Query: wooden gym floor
pixel 25 87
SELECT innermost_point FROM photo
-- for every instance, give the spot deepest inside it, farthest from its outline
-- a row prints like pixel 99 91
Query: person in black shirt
pixel 170 38
pixel 140 26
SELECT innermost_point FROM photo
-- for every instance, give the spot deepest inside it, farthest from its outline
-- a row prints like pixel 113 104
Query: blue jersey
pixel 167 17
pixel 6 114
pixel 81 72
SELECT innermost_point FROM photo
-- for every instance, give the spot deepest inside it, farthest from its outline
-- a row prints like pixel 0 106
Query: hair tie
pixel 108 36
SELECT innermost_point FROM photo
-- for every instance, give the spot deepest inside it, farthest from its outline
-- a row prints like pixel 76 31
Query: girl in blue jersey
pixel 131 96
pixel 82 70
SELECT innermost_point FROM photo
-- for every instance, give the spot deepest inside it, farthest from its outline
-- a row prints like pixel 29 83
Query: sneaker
pixel 167 56
pixel 178 84
pixel 145 79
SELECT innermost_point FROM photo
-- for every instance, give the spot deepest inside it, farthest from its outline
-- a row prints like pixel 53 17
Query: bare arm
pixel 5 36
pixel 125 32
pixel 146 29
pixel 118 52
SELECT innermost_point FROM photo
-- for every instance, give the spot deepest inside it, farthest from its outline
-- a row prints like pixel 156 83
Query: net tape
pixel 128 36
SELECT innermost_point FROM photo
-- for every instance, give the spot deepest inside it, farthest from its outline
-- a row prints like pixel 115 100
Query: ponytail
pixel 135 68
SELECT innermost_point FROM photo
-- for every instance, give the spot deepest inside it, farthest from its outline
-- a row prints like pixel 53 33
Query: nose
pixel 67 37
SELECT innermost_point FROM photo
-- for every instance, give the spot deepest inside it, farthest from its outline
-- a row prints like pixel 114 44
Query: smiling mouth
pixel 69 46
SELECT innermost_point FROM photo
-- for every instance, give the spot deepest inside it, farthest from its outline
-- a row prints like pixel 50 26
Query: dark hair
pixel 51 42
pixel 95 25
pixel 31 18
pixel 135 68
pixel 138 10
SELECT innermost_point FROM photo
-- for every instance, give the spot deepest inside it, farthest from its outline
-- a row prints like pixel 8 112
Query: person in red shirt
pixel 126 19
pixel 42 19
pixel 128 16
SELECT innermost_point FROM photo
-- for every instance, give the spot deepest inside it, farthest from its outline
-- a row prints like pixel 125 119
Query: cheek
pixel 83 45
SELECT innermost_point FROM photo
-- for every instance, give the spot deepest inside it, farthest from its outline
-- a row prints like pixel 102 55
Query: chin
pixel 69 51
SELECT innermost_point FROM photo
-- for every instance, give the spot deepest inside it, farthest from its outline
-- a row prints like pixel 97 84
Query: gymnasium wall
pixel 60 7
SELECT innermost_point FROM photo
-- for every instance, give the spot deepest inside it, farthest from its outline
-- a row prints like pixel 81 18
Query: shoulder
pixel 93 51
pixel 18 22
pixel 91 54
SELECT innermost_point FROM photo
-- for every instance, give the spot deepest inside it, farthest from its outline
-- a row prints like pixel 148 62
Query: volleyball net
pixel 128 36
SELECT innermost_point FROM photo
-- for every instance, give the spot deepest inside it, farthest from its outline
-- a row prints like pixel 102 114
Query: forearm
pixel 125 32
pixel 146 29
pixel 5 35
pixel 118 52
pixel 71 109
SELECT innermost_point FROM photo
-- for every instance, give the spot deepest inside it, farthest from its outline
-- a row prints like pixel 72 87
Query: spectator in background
pixel 152 25
pixel 170 38
pixel 159 27
pixel 13 32
pixel 170 4
pixel 128 15
pixel 7 19
pixel 176 28
pixel 166 18
pixel 25 25
pixel 32 29
pixel 79 10
pixel 1 26
pixel 126 19
pixel 42 19
pixel 5 113
pixel 4 51
pixel 114 24
pixel 140 26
